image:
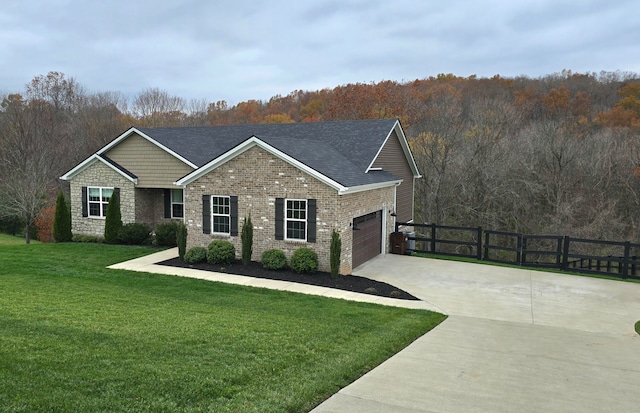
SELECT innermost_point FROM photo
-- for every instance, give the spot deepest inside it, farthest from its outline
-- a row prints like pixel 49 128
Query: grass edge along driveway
pixel 79 337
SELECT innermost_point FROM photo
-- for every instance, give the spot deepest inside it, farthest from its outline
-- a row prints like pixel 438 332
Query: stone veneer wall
pixel 101 175
pixel 257 178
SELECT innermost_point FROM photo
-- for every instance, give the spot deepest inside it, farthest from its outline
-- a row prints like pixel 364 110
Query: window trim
pixel 101 202
pixel 303 221
pixel 177 203
pixel 228 215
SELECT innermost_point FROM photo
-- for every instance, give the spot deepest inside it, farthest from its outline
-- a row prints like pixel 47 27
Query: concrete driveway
pixel 516 340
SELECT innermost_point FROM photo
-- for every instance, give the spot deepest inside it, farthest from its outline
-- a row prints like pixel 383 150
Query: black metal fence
pixel 565 253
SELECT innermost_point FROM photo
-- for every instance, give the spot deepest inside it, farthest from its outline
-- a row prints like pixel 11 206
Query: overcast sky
pixel 240 49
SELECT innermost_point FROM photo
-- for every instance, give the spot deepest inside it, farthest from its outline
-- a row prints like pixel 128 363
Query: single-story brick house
pixel 298 182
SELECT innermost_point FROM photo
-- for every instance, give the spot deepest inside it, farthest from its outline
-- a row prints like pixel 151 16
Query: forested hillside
pixel 558 154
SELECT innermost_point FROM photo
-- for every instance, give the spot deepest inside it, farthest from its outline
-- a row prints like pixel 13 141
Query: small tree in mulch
pixel 335 251
pixel 247 240
pixel 113 220
pixel 62 220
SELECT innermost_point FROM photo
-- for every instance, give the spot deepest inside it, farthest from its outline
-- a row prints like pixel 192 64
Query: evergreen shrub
pixel 134 234
pixel 195 255
pixel 274 260
pixel 221 252
pixel 304 260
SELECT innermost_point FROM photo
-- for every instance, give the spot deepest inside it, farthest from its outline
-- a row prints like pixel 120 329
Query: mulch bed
pixel 352 283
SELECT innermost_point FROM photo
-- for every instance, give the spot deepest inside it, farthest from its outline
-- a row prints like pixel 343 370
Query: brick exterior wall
pixel 363 203
pixel 257 178
pixel 150 206
pixel 99 175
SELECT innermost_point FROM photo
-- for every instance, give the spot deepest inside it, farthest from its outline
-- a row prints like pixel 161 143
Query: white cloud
pixel 239 50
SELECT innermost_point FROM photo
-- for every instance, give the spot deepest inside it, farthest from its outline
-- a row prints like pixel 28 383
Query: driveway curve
pixel 515 340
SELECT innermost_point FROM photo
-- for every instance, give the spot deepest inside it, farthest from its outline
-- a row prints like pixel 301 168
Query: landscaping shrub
pixel 274 260
pixel 87 238
pixel 113 220
pixel 134 234
pixel 221 252
pixel 62 220
pixel 44 224
pixel 195 255
pixel 247 240
pixel 166 234
pixel 181 239
pixel 335 251
pixel 304 260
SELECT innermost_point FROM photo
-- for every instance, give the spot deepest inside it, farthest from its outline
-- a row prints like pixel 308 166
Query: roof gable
pixel 135 131
pixel 97 158
pixel 405 149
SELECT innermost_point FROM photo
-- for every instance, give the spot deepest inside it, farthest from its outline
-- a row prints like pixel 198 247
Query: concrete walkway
pixel 515 340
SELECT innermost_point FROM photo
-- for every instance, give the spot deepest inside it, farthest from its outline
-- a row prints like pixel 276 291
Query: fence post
pixel 625 262
pixel 486 245
pixel 433 238
pixel 523 255
pixel 479 245
pixel 519 250
pixel 559 253
pixel 565 253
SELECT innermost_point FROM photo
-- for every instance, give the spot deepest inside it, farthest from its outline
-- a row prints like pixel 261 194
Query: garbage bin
pixel 411 242
pixel 398 243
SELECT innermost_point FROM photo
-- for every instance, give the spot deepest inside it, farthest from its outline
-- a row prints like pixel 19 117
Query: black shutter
pixel 85 206
pixel 233 212
pixel 116 191
pixel 206 214
pixel 279 218
pixel 167 203
pixel 311 220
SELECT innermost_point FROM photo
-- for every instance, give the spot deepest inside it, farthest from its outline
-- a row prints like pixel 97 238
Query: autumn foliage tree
pixel 555 153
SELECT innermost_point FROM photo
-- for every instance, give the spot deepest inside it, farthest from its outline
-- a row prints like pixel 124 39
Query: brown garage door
pixel 367 237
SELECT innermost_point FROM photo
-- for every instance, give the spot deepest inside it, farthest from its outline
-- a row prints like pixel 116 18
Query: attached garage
pixel 367 237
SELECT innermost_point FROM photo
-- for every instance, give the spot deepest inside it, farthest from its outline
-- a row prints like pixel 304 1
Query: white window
pixel 296 219
pixel 98 199
pixel 220 214
pixel 177 204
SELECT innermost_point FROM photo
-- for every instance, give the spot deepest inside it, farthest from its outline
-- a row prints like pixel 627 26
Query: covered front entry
pixel 367 237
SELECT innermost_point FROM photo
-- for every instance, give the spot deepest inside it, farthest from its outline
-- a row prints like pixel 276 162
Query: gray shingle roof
pixel 341 150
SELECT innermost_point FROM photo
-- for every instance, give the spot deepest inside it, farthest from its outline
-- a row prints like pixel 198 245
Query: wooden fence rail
pixel 547 251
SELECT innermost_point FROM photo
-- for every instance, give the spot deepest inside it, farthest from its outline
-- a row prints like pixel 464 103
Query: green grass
pixel 541 269
pixel 77 337
pixel 11 240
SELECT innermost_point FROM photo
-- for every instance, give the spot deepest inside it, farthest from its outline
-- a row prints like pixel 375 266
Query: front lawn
pixel 6 239
pixel 76 336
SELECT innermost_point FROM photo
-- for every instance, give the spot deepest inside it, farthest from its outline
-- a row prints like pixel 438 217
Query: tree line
pixel 559 154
